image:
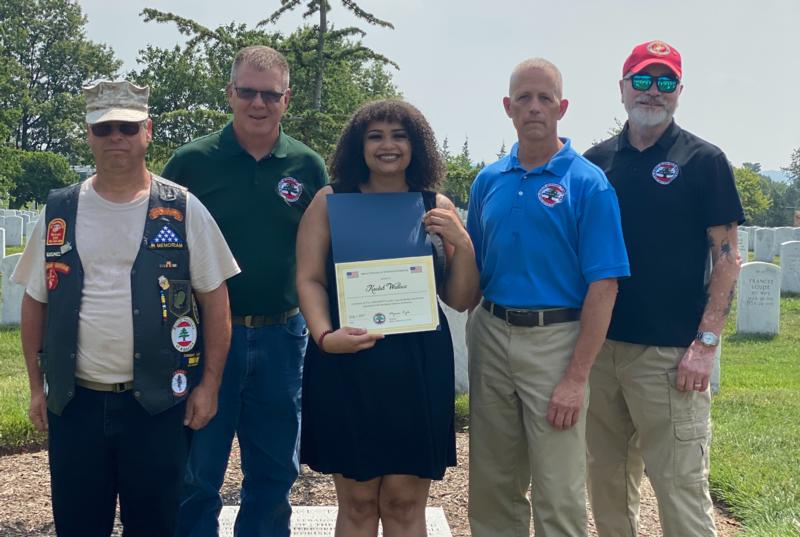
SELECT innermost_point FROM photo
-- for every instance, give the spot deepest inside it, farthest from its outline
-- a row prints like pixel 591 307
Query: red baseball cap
pixel 650 53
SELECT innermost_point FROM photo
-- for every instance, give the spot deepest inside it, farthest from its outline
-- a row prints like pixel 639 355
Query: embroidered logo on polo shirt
pixel 552 194
pixel 658 48
pixel 290 189
pixel 666 172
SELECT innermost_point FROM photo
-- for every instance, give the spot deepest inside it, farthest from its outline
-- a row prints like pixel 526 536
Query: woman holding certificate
pixel 378 409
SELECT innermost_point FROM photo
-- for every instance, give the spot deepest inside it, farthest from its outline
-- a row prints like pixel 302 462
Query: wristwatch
pixel 709 339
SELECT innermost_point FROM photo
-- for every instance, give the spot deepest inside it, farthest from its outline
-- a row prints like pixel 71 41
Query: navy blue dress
pixel 384 410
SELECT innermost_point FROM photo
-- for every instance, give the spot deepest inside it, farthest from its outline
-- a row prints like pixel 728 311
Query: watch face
pixel 708 338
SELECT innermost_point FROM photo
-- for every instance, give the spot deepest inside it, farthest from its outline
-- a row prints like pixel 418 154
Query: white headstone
pixel 12 292
pixel 13 225
pixel 2 244
pixel 782 234
pixel 752 240
pixel 764 247
pixel 458 323
pixel 743 237
pixel 758 308
pixel 25 218
pixel 790 267
pixel 320 521
pixel 3 222
pixel 716 373
pixel 796 235
pixel 29 229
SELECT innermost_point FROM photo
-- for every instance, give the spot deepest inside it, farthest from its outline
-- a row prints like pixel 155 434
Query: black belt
pixel 523 317
pixel 257 321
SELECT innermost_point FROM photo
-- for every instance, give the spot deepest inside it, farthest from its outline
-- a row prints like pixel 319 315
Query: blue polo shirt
pixel 543 235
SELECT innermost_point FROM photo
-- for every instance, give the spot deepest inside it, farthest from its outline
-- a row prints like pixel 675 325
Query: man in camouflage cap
pixel 120 368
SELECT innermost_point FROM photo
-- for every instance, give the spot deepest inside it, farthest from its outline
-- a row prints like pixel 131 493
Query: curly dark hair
pixel 347 166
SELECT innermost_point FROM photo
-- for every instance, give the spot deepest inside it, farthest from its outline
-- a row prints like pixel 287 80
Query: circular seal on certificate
pixel 379 318
pixel 184 334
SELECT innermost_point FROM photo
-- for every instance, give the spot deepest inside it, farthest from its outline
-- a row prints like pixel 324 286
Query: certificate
pixel 384 262
pixel 388 296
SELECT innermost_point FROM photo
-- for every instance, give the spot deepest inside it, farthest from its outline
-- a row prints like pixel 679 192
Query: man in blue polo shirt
pixel 548 241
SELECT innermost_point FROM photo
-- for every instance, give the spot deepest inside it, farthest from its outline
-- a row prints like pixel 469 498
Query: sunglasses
pixel 127 128
pixel 249 94
pixel 664 83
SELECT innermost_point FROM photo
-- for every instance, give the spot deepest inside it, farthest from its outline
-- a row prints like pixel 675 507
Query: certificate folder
pixel 384 262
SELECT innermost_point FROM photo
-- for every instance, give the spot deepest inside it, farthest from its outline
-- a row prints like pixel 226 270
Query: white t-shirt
pixel 107 237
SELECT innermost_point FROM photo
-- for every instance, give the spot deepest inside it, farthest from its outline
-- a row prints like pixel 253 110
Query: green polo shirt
pixel 257 205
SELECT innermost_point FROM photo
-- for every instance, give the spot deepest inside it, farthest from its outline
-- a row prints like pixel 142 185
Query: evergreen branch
pixel 186 26
pixel 369 17
pixel 346 32
pixel 286 5
pixel 362 52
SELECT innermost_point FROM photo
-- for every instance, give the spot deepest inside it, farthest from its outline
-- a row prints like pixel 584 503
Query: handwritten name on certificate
pixel 388 296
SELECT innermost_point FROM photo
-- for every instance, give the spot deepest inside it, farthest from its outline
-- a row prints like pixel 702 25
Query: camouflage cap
pixel 115 101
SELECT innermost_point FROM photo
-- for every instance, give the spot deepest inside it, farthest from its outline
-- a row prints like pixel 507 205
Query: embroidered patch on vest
pixel 192 360
pixel 155 212
pixel 184 334
pixel 180 296
pixel 166 238
pixel 52 269
pixel 56 232
pixel 180 384
pixel 666 172
pixel 552 194
pixel 290 189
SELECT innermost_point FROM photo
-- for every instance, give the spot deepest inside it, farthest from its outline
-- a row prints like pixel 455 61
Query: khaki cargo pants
pixel 512 373
pixel 637 420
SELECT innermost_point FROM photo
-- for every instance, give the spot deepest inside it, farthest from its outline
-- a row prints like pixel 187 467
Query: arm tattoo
pixel 730 301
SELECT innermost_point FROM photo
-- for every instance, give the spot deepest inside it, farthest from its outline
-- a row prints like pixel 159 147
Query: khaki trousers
pixel 512 373
pixel 637 419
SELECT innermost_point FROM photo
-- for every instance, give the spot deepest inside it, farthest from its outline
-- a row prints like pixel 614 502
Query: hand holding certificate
pixel 384 269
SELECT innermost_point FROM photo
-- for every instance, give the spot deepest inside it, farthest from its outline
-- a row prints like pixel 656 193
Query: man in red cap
pixel 650 400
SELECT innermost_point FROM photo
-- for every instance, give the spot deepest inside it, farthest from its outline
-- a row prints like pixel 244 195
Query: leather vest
pixel 167 340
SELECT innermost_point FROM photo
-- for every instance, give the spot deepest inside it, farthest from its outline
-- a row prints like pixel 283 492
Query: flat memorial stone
pixel 790 267
pixel 765 245
pixel 758 308
pixel 320 521
pixel 743 237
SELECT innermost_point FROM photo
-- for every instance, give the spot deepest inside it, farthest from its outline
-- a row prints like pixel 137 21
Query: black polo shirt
pixel 257 205
pixel 669 194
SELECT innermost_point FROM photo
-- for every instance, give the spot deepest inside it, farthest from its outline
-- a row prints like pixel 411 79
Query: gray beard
pixel 644 118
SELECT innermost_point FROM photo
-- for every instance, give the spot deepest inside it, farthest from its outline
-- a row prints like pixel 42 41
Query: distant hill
pixel 777 175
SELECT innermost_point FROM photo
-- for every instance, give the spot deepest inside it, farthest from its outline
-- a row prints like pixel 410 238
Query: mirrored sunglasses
pixel 127 128
pixel 664 83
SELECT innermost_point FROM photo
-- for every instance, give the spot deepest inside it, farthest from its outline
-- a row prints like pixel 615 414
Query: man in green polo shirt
pixel 256 181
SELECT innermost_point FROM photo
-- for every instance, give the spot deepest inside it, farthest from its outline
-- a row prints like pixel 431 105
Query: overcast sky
pixel 740 60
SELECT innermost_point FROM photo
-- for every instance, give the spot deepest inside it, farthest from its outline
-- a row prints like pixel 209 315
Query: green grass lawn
pixel 755 453
pixel 15 428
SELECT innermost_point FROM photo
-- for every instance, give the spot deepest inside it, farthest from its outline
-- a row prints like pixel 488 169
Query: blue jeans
pixel 259 401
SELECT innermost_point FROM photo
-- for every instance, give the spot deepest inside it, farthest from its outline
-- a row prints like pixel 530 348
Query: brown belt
pixel 119 387
pixel 523 317
pixel 257 321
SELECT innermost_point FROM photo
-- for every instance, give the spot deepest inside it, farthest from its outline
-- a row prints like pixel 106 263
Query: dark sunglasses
pixel 249 94
pixel 664 83
pixel 128 128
